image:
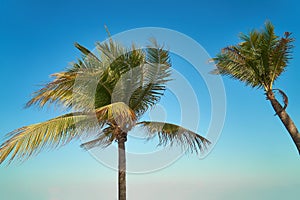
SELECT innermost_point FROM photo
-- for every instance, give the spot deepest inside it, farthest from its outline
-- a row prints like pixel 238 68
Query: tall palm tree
pixel 128 83
pixel 258 61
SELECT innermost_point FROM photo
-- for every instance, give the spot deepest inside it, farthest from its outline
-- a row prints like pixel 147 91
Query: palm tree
pixel 128 83
pixel 258 61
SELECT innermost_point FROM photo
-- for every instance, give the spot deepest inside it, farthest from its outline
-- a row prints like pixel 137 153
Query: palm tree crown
pixel 128 83
pixel 258 60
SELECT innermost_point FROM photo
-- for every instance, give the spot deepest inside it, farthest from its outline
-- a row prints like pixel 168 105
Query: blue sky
pixel 254 158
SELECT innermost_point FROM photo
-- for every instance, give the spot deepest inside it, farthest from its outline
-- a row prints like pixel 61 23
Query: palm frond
pixel 104 139
pixel 174 134
pixel 68 89
pixel 152 78
pixel 58 91
pixel 281 54
pixel 268 41
pixel 30 140
pixel 110 51
pixel 88 55
pixel 237 67
pixel 61 90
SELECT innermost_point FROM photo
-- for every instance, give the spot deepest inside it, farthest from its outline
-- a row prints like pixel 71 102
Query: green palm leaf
pixel 174 134
pixel 30 140
pixel 59 90
pixel 152 79
pixel 104 139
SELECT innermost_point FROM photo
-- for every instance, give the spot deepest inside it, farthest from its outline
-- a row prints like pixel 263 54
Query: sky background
pixel 254 157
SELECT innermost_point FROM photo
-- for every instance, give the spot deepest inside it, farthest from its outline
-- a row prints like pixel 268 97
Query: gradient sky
pixel 254 158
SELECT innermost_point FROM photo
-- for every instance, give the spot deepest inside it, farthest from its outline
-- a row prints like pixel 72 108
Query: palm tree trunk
pixel 285 119
pixel 122 165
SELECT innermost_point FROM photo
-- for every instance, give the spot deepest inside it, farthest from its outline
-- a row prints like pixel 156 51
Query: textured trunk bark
pixel 122 165
pixel 285 119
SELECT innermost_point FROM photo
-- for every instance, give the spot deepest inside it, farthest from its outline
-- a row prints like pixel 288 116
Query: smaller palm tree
pixel 127 83
pixel 258 61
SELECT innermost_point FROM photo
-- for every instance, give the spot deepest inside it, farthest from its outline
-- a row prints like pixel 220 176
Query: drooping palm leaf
pixel 174 134
pixel 104 139
pixel 30 140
